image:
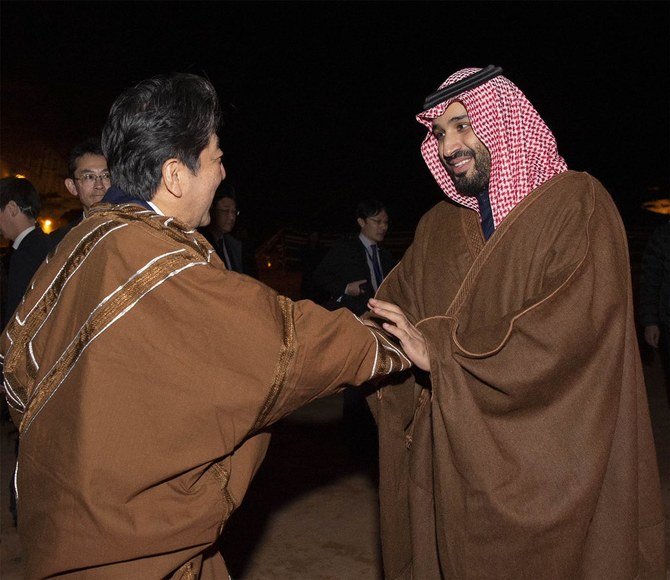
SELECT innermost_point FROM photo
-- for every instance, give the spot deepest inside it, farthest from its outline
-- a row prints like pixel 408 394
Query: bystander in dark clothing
pixel 19 207
pixel 654 296
pixel 88 180
pixel 233 253
pixel 349 276
pixel 23 263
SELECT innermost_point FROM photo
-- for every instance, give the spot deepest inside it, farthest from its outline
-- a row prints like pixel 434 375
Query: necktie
pixel 224 254
pixel 486 213
pixel 375 265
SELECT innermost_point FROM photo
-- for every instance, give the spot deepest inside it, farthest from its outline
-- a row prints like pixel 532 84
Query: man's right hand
pixel 652 334
pixel 354 288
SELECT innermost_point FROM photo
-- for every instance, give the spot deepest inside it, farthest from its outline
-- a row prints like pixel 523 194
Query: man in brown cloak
pixel 527 452
pixel 142 374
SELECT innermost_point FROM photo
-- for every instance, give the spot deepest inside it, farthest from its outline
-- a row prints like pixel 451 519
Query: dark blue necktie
pixel 375 265
pixel 485 213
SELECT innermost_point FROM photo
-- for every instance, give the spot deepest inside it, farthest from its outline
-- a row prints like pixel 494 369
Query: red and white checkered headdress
pixel 523 149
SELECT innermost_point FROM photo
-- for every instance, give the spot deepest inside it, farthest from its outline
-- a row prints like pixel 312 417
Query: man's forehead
pixel 455 112
pixel 90 161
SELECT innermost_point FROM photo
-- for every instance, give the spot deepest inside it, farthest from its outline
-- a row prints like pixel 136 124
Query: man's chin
pixel 204 221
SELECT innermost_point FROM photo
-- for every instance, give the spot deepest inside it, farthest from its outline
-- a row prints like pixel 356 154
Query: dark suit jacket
pixel 346 262
pixel 239 260
pixel 23 264
pixel 61 232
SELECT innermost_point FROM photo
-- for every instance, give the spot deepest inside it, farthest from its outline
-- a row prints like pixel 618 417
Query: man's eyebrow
pixel 456 119
pixel 459 118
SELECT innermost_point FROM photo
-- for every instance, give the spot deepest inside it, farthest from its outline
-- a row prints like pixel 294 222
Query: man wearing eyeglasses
pixel 354 268
pixel 88 179
pixel 223 215
pixel 350 274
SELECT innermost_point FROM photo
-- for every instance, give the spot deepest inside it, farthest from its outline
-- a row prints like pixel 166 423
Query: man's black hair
pixel 90 146
pixel 368 208
pixel 225 189
pixel 165 117
pixel 22 193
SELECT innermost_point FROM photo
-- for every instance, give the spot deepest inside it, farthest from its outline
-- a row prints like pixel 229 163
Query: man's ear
pixel 173 176
pixel 360 222
pixel 13 208
pixel 71 187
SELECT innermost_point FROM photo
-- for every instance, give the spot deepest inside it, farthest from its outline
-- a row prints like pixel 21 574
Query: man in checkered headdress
pixel 527 451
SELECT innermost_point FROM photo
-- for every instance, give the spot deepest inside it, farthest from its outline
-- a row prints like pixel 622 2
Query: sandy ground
pixel 311 513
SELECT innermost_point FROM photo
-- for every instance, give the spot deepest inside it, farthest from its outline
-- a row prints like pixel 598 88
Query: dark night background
pixel 320 97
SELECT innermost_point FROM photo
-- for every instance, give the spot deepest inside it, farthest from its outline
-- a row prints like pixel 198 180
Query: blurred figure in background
pixel 349 276
pixel 654 301
pixel 19 207
pixel 224 215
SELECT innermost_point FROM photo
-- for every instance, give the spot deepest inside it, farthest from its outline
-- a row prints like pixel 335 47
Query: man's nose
pixel 449 145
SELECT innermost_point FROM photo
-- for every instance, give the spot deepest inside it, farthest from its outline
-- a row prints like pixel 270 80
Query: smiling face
pixel 464 156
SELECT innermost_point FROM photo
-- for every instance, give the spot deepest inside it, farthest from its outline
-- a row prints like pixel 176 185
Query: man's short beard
pixel 479 180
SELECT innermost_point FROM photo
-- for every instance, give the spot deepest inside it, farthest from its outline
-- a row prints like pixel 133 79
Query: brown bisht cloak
pixel 141 375
pixel 532 455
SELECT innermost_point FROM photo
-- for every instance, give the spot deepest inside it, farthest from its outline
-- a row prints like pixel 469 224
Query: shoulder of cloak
pixel 123 254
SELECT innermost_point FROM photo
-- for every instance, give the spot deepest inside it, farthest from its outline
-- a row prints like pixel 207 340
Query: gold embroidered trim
pixel 19 353
pixel 223 476
pixel 21 335
pixel 390 357
pixel 104 313
pixel 185 572
pixel 170 226
pixel 286 355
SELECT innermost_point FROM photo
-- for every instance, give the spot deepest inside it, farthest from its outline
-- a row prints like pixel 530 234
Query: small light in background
pixel 20 176
pixel 269 265
pixel 47 225
pixel 661 206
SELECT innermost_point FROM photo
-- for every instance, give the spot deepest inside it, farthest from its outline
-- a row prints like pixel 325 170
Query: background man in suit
pixel 353 269
pixel 88 179
pixel 349 275
pixel 19 207
pixel 224 214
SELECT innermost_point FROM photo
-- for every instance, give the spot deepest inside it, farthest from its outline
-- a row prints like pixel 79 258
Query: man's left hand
pixel 411 339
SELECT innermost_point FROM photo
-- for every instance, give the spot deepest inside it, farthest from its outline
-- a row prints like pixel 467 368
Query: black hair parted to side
pixel 23 193
pixel 225 189
pixel 368 208
pixel 89 146
pixel 165 117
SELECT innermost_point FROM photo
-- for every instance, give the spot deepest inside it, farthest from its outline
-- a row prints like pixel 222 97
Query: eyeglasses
pixel 92 178
pixel 378 221
pixel 228 211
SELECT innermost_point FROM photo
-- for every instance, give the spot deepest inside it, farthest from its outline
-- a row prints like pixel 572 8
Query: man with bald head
pixel 527 451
